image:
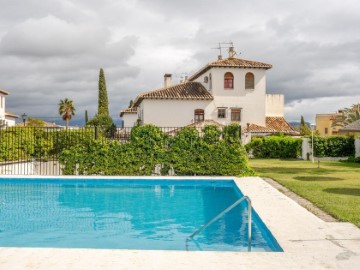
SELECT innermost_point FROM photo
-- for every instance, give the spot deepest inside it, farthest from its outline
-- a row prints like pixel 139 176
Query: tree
pixel 103 103
pixel 304 129
pixel 86 117
pixel 346 116
pixel 34 122
pixel 66 110
pixel 102 119
pixel 131 103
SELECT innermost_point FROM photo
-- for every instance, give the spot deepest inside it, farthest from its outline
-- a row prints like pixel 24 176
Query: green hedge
pixel 186 153
pixel 334 146
pixel 26 143
pixel 275 147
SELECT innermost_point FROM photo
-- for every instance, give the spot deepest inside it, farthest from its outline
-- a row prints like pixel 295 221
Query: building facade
pixel 225 91
pixel 7 119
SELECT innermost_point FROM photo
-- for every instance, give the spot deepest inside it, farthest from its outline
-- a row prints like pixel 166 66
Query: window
pixel 221 112
pixel 249 81
pixel 326 130
pixel 199 115
pixel 206 79
pixel 236 114
pixel 228 80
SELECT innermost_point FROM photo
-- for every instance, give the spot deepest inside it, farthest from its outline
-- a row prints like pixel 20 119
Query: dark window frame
pixel 228 80
pixel 236 114
pixel 199 115
pixel 249 80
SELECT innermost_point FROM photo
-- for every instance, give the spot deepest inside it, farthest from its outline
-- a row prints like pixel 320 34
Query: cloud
pixel 50 50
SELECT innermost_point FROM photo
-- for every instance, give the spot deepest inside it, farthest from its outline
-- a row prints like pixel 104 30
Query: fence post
pixel 306 149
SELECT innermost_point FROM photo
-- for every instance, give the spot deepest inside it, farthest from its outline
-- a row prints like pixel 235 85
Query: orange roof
pixel 3 92
pixel 128 110
pixel 273 125
pixel 9 114
pixel 182 91
pixel 231 62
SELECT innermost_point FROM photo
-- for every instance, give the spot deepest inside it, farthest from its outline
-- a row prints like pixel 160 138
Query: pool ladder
pixel 223 213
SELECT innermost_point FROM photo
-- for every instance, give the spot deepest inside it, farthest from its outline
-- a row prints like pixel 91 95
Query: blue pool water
pixel 126 214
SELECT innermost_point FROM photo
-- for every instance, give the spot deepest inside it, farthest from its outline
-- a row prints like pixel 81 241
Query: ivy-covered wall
pixel 186 153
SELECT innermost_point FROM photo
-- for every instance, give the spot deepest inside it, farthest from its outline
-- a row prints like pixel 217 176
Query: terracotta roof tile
pixel 354 126
pixel 128 110
pixel 3 92
pixel 183 91
pixel 273 125
pixel 11 115
pixel 231 62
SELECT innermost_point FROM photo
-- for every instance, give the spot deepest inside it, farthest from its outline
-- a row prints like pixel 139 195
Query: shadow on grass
pixel 293 171
pixel 317 178
pixel 344 191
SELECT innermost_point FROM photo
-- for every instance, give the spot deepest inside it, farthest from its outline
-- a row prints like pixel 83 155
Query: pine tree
pixel 103 103
pixel 304 129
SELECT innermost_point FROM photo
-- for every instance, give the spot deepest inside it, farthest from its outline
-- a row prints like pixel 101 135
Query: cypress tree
pixel 304 129
pixel 86 117
pixel 103 103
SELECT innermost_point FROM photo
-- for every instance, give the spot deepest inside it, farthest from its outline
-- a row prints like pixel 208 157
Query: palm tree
pixel 346 116
pixel 66 110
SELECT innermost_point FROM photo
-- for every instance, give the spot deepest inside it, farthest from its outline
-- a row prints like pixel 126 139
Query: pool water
pixel 127 214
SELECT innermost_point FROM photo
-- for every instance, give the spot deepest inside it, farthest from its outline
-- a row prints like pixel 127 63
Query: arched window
pixel 228 80
pixel 199 115
pixel 249 81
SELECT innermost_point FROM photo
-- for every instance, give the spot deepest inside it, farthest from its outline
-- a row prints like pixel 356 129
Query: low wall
pixel 357 147
pixel 31 168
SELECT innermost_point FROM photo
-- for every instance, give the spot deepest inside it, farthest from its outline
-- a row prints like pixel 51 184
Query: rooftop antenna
pixel 226 45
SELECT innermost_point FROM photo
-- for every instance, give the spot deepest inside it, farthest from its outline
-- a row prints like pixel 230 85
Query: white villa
pixel 224 91
pixel 6 119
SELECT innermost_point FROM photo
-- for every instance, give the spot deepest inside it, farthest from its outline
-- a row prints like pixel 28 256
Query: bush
pixel 335 146
pixel 187 153
pixel 275 147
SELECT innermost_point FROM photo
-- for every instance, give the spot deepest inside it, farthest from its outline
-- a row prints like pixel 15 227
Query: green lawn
pixel 334 187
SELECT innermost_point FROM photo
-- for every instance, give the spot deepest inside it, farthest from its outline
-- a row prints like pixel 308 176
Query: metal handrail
pixel 223 213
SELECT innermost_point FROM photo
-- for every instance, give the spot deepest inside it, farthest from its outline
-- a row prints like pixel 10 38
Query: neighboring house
pixel 225 91
pixel 351 129
pixel 7 119
pixel 324 124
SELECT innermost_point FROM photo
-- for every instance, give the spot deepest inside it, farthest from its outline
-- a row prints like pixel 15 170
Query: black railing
pixel 36 150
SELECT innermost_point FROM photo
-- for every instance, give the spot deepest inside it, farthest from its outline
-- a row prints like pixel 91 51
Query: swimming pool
pixel 127 214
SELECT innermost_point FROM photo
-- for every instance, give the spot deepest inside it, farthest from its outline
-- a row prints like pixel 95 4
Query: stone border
pixel 301 201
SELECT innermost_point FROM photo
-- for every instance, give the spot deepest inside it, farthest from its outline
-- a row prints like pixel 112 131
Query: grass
pixel 334 187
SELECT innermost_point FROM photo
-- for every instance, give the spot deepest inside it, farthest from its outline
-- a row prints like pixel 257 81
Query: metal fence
pixel 35 151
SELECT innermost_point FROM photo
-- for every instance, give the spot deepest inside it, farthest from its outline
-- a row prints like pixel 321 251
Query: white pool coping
pixel 308 242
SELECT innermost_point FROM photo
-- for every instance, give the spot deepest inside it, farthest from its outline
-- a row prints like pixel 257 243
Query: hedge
pixel 334 146
pixel 275 147
pixel 186 153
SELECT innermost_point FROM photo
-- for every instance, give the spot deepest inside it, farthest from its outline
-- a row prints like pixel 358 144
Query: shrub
pixel 275 147
pixel 335 146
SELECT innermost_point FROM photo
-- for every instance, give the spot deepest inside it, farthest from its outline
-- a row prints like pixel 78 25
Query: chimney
pixel 167 80
pixel 220 57
pixel 232 52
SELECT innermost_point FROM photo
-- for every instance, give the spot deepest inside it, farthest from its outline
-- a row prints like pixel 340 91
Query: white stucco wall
pixel 251 101
pixel 171 113
pixel 10 121
pixel 2 106
pixel 129 119
pixel 274 105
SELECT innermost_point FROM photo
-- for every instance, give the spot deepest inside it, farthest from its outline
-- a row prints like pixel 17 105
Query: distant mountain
pixel 296 125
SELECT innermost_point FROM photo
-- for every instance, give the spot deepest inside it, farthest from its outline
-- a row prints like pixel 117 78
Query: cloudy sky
pixel 54 49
